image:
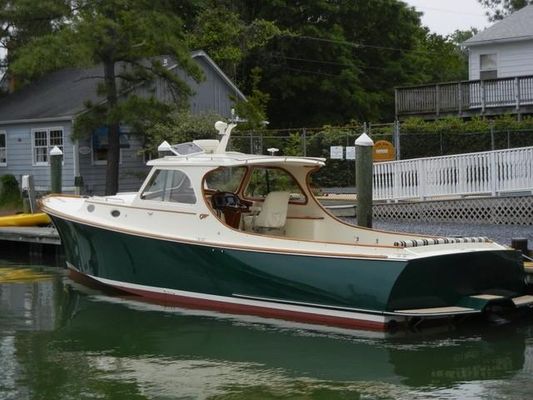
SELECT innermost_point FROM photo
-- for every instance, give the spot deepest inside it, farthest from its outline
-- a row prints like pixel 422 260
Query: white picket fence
pixel 491 172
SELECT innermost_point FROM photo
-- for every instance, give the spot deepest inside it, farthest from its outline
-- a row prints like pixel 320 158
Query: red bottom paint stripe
pixel 231 308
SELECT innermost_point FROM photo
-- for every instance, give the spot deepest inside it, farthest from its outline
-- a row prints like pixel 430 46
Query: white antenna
pixel 224 129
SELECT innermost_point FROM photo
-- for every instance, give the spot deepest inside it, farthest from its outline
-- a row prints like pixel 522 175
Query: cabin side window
pixel 171 186
pixel 265 180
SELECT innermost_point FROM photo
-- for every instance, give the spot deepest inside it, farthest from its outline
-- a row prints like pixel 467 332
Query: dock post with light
pixel 363 179
pixel 56 160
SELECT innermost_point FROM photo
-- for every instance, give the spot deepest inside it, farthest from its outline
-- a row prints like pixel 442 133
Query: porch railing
pixel 460 97
pixel 491 172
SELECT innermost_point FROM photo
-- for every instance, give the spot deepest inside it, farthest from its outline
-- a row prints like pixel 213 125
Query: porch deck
pixel 513 95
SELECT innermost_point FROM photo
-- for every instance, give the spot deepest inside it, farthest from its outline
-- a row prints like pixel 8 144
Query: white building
pixel 503 50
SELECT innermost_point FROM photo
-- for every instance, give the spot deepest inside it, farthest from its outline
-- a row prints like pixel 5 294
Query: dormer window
pixel 488 66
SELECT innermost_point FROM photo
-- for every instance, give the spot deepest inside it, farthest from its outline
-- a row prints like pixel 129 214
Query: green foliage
pixel 336 172
pixel 336 61
pixel 181 126
pixel 253 110
pixel 499 9
pixel 9 192
pixel 294 145
pixel 23 20
pixel 226 37
pixel 438 59
pixel 459 125
pixel 128 37
pixel 453 135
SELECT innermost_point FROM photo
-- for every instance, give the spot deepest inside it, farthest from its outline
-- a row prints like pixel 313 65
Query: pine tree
pixel 128 38
pixel 499 9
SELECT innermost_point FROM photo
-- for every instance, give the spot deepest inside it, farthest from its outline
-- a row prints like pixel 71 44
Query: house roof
pixel 515 27
pixel 62 94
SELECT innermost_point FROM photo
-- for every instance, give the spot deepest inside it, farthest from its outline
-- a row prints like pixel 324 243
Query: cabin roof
pixel 515 27
pixel 234 159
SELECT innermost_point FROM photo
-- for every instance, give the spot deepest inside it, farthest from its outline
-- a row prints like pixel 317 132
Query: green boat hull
pixel 170 270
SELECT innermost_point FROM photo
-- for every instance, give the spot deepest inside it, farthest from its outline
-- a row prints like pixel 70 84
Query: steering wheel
pixel 222 200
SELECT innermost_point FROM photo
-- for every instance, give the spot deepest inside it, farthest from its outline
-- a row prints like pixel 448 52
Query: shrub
pixel 9 192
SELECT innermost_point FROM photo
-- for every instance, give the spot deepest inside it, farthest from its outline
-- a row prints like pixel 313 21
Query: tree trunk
pixel 113 151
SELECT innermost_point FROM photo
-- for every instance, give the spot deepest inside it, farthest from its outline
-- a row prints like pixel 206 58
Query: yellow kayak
pixel 25 220
pixel 22 275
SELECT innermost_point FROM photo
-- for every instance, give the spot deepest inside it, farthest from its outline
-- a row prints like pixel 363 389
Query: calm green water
pixel 61 341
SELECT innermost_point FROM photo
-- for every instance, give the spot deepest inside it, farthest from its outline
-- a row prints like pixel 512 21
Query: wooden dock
pixel 33 234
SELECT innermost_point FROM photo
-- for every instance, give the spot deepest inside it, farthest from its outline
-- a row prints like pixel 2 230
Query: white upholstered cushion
pixel 274 211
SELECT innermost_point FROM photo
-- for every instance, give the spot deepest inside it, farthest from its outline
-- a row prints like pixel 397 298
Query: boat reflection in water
pixel 88 342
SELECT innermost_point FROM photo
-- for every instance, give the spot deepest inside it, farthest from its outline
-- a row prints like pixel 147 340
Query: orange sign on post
pixel 383 151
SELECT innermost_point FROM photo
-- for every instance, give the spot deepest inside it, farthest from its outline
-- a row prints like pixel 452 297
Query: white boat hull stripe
pixel 247 302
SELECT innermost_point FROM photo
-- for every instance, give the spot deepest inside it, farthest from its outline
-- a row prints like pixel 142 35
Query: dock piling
pixel 56 156
pixel 363 178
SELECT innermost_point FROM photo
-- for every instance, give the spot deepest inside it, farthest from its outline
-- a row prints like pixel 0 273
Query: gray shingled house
pixel 40 116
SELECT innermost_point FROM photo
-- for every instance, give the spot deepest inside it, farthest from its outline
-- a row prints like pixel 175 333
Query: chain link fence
pixel 316 142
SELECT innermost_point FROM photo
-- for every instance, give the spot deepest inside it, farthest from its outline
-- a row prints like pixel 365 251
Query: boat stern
pixel 472 282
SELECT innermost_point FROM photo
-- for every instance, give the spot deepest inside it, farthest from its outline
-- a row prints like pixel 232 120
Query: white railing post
pixel 493 173
pixel 421 178
pixel 459 98
pixel 483 98
pixel 517 93
pixel 397 180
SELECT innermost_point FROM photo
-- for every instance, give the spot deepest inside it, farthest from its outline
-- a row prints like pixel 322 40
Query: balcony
pixel 512 95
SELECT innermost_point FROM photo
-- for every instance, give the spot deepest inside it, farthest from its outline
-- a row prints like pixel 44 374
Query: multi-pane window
pixel 3 155
pixel 44 140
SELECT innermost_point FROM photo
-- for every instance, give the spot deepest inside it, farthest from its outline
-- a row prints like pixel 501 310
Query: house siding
pixel 211 94
pixel 132 169
pixel 20 154
pixel 514 59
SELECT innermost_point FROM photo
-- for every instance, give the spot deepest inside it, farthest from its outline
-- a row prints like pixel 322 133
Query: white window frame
pixel 48 145
pixel 481 70
pixel 4 133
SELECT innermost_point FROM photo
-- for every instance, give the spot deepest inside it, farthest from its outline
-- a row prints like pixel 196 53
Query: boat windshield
pixel 264 180
pixel 184 149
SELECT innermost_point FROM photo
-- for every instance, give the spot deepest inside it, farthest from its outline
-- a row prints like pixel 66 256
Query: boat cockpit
pixel 260 199
pixel 266 195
